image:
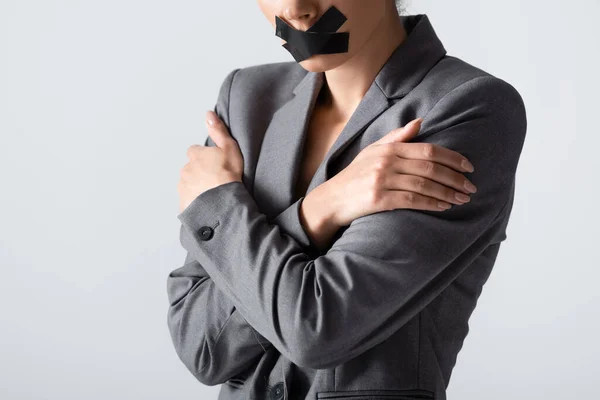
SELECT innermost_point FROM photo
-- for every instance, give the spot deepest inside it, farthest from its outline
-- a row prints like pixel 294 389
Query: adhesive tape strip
pixel 321 38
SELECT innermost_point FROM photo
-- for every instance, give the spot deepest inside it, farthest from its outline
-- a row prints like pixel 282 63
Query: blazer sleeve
pixel 385 267
pixel 210 336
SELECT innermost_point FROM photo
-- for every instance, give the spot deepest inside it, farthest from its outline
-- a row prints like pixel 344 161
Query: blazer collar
pixel 278 166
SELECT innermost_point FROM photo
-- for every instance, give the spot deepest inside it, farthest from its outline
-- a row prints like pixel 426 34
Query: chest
pixel 323 130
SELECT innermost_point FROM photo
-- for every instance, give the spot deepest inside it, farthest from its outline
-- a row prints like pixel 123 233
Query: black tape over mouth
pixel 321 38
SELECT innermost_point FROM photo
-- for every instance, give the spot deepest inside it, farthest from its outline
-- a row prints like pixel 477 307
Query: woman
pixel 319 264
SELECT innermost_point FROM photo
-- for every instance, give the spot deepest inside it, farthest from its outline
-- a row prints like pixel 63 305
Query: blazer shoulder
pixel 270 78
pixel 478 115
pixel 467 88
pixel 454 74
pixel 257 88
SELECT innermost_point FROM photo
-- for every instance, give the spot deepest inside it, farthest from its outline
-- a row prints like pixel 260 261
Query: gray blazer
pixel 383 313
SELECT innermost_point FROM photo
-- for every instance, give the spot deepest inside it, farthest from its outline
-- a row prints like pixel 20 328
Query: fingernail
pixel 443 205
pixel 470 187
pixel 414 122
pixel 467 166
pixel 210 118
pixel 462 197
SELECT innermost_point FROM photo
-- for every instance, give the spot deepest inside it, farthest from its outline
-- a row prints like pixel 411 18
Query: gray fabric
pixel 387 306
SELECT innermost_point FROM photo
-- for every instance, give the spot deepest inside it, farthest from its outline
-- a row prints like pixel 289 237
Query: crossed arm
pixel 210 336
pixel 382 271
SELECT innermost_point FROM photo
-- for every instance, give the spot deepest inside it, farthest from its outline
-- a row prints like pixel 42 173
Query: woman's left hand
pixel 210 166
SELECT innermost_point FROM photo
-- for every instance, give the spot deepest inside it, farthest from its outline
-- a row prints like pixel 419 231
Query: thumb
pixel 219 133
pixel 403 134
pixel 217 130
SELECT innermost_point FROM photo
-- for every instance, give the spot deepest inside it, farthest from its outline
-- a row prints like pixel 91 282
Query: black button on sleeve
pixel 206 233
pixel 277 391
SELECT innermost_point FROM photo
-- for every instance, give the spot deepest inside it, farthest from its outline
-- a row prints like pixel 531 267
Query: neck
pixel 346 85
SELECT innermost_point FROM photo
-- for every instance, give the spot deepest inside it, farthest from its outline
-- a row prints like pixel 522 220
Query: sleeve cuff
pixel 289 222
pixel 203 213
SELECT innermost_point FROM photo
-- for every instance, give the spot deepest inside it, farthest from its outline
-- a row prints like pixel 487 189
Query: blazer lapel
pixel 279 160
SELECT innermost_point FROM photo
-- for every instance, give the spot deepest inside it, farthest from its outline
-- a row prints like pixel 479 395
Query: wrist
pixel 321 206
pixel 317 216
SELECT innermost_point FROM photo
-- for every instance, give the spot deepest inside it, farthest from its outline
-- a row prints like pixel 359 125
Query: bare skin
pixel 388 174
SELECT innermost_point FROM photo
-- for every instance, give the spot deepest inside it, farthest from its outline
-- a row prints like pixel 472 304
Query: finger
pixel 425 187
pixel 435 153
pixel 404 133
pixel 217 130
pixel 433 171
pixel 409 131
pixel 394 199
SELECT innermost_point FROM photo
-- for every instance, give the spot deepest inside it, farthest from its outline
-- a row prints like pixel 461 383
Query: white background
pixel 99 101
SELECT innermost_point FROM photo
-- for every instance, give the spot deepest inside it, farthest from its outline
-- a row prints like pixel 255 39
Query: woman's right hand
pixel 390 174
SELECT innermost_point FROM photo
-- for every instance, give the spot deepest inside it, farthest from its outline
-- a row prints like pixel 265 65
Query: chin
pixel 324 62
